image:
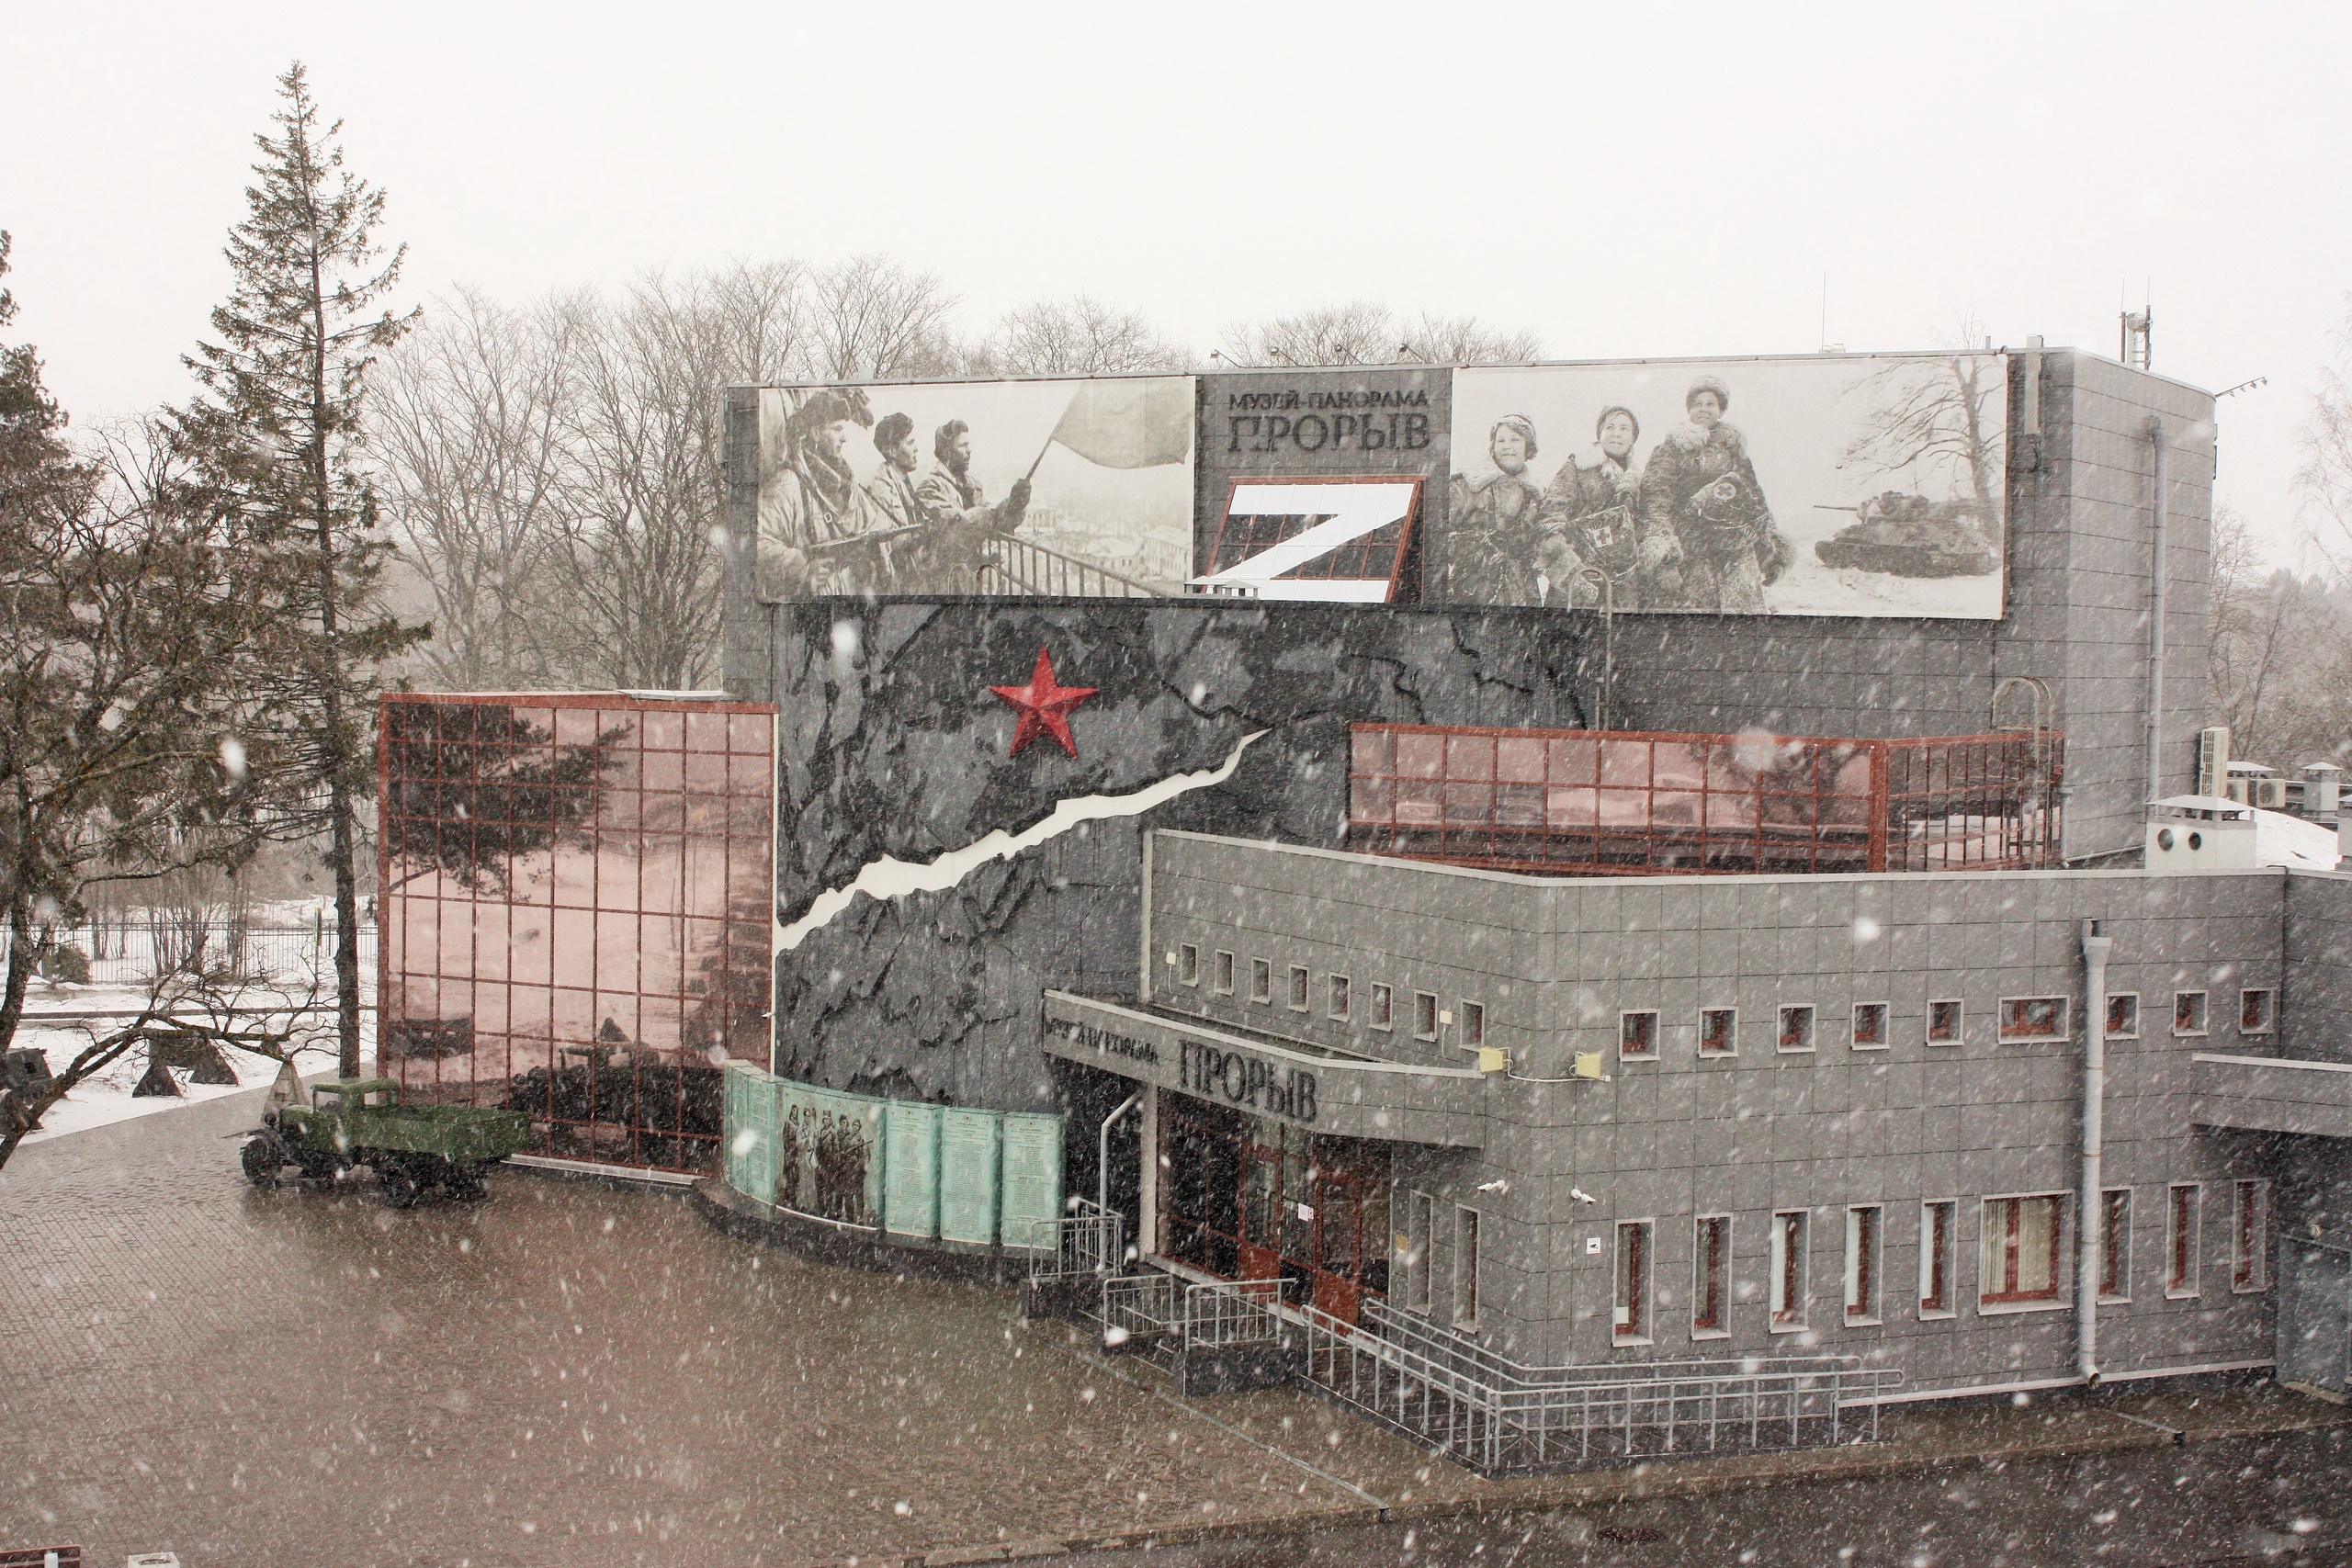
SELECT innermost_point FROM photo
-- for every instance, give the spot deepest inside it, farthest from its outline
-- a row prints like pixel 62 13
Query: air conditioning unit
pixel 2213 759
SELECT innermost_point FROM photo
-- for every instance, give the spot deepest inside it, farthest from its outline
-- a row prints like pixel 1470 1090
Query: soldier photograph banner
pixel 1824 485
pixel 1045 488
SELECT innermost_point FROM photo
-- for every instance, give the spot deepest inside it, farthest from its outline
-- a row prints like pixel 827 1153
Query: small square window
pixel 1336 988
pixel 1869 1026
pixel 1637 1035
pixel 1298 988
pixel 2123 1017
pixel 1224 981
pixel 2257 1012
pixel 1944 1023
pixel 1474 1025
pixel 2188 1012
pixel 1188 964
pixel 1718 1031
pixel 1796 1028
pixel 1424 1016
pixel 1383 1007
pixel 1261 980
pixel 2033 1018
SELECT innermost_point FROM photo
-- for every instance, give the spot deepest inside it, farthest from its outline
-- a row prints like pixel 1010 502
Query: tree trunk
pixel 341 847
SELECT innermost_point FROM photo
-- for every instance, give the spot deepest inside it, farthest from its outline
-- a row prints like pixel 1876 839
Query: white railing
pixel 1446 1390
pixel 1233 1312
pixel 1140 1307
pixel 1089 1239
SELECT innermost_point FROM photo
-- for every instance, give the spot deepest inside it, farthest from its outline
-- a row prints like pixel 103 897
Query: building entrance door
pixel 1245 1198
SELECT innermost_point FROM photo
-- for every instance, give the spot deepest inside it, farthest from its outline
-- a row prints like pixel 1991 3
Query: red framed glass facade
pixel 576 910
pixel 1587 803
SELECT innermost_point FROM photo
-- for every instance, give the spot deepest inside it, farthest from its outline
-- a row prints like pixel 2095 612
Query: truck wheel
pixel 261 1159
pixel 464 1182
pixel 399 1183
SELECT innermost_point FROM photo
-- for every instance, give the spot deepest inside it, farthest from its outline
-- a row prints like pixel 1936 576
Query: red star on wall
pixel 1044 705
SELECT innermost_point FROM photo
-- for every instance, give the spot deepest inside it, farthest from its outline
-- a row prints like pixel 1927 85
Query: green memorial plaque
pixel 968 1176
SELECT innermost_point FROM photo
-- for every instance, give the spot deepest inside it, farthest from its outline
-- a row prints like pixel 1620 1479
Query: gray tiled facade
pixel 1555 963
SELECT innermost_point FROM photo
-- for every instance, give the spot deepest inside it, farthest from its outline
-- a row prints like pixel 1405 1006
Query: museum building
pixel 1494 931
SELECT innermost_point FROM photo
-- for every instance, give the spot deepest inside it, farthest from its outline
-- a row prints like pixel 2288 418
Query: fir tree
pixel 278 436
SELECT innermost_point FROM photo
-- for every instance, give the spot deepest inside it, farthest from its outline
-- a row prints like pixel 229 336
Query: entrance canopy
pixel 1296 1084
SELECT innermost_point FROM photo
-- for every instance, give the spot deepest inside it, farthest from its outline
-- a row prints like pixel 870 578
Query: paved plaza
pixel 571 1374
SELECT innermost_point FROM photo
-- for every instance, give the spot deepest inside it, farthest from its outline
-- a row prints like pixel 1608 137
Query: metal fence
pixel 1089 1239
pixel 1447 1391
pixel 1140 1307
pixel 1233 1312
pixel 136 952
pixel 1017 565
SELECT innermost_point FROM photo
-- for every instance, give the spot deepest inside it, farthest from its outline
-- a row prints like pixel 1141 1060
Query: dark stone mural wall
pixel 890 743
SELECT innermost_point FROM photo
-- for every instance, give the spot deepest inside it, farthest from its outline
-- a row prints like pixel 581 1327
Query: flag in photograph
pixel 1135 423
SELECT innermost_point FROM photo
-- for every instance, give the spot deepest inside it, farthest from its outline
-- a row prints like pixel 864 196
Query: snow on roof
pixel 2281 839
pixel 2236 808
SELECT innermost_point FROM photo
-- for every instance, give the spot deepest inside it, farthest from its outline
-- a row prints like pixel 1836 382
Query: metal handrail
pixel 1089 1239
pixel 1029 568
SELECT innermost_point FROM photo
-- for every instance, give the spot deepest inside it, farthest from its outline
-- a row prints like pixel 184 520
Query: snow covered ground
pixel 106 1098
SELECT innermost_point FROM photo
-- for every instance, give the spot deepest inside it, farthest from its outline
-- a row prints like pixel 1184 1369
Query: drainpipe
pixel 2090 1212
pixel 2156 619
pixel 1102 1164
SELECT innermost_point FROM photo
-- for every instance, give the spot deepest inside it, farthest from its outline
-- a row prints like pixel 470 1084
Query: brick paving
pixel 574 1373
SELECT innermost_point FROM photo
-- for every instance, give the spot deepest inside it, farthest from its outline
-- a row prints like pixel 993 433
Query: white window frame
pixel 1783 1316
pixel 1188 963
pixel 2114 1253
pixel 1466 1223
pixel 1624 1023
pixel 1473 1023
pixel 1939 1253
pixel 1339 997
pixel 1643 1236
pixel 2269 1024
pixel 1222 979
pixel 1885 1028
pixel 1437 1025
pixel 1812 1028
pixel 1729 1051
pixel 1383 1007
pixel 2249 1240
pixel 2183 1283
pixel 2204 1015
pixel 1959 1019
pixel 1865 1264
pixel 1300 992
pixel 1261 981
pixel 2007 1036
pixel 1420 1240
pixel 2113 997
pixel 1721 1257
pixel 2060 1298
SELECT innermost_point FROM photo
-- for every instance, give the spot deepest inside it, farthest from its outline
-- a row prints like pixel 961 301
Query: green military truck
pixel 362 1122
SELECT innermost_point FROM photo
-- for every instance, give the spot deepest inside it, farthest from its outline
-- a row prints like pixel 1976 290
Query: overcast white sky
pixel 1626 179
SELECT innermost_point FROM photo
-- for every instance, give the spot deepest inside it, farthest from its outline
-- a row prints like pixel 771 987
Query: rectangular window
pixel 1938 1223
pixel 1719 1031
pixel 1465 1268
pixel 1788 1264
pixel 1223 982
pixel 2033 1018
pixel 2123 1016
pixel 1944 1023
pixel 1711 1277
pixel 1869 1026
pixel 2115 1245
pixel 1420 1228
pixel 2188 1012
pixel 2250 1236
pixel 1863 1229
pixel 1335 996
pixel 1188 964
pixel 2257 1012
pixel 1261 980
pixel 1384 1006
pixel 2180 1239
pixel 2018 1262
pixel 1298 988
pixel 1796 1028
pixel 1629 1319
pixel 1424 1016
pixel 1636 1036
pixel 1474 1025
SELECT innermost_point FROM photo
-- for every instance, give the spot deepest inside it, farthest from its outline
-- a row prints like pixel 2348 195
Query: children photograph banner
pixel 1832 485
pixel 1049 488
